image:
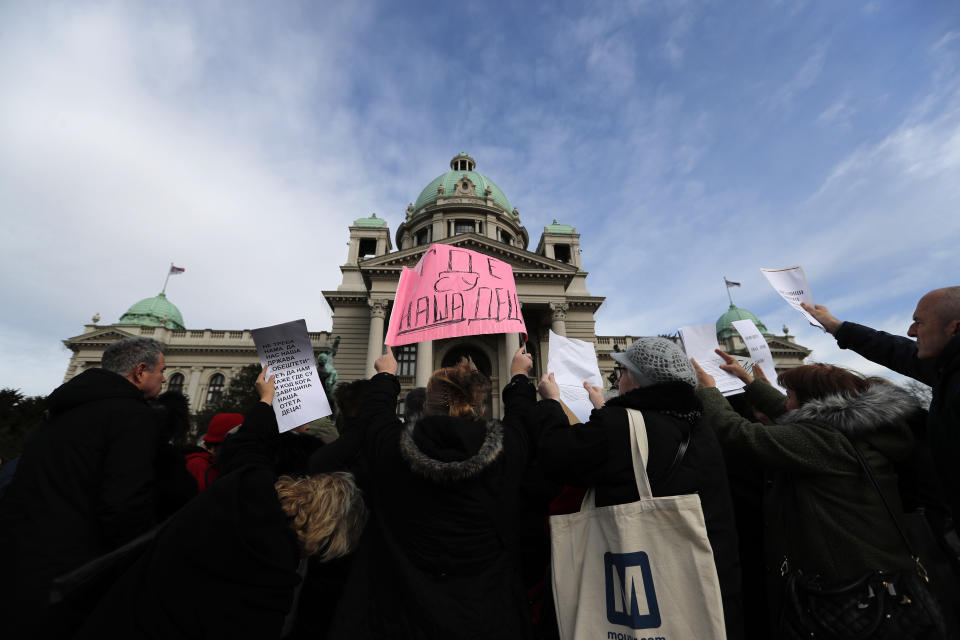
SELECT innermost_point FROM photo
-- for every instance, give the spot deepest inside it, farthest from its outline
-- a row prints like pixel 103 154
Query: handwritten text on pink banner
pixel 454 292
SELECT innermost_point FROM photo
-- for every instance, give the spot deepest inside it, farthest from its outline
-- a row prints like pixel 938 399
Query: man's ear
pixel 138 371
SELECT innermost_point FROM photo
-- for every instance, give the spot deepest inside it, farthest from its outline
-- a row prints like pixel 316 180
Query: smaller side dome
pixel 725 327
pixel 559 228
pixel 154 312
pixel 373 222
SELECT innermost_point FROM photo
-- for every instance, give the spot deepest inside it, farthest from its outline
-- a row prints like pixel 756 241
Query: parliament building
pixel 462 208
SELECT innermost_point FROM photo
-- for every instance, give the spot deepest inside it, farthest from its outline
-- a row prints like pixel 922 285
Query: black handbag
pixel 878 605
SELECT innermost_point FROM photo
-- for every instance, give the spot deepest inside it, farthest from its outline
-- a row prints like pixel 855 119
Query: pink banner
pixel 454 292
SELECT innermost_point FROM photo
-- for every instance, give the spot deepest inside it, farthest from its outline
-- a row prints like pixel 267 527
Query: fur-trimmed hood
pixel 445 449
pixel 881 405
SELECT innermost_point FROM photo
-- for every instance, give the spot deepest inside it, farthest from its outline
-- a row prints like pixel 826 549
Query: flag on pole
pixel 731 284
pixel 176 270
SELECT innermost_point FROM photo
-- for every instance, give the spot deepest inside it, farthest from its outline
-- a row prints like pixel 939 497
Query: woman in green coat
pixel 824 518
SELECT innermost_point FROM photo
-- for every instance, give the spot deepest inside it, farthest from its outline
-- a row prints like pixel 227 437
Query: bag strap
pixel 639 448
pixel 921 570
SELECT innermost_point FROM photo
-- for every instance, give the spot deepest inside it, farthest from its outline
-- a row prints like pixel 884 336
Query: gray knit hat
pixel 655 360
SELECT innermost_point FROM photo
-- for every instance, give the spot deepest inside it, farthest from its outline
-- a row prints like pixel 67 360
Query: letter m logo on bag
pixel 631 598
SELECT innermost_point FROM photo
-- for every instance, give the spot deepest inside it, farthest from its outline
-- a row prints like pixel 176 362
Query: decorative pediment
pixel 106 335
pixel 779 344
pixel 520 260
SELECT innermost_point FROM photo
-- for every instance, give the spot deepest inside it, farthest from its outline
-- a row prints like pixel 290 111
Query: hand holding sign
pixel 823 316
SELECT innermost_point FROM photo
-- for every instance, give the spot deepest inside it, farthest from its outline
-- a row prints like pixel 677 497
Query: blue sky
pixel 686 141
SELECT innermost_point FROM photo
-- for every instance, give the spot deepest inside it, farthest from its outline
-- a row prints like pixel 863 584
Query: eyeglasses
pixel 618 369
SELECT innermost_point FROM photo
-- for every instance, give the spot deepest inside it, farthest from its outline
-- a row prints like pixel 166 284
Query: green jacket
pixel 820 509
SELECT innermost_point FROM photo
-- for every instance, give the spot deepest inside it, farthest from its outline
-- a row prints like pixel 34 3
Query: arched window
pixel 176 383
pixel 215 390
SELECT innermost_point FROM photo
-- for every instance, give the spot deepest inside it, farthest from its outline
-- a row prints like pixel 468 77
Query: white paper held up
pixel 572 362
pixel 791 284
pixel 286 351
pixel 759 350
pixel 699 341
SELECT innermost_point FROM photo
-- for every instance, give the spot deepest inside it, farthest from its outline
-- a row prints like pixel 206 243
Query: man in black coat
pixel 84 485
pixel 933 359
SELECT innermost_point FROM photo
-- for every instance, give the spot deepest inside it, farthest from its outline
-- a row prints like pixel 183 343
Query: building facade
pixel 462 208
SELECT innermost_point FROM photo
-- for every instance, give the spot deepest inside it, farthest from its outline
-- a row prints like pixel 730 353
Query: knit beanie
pixel 220 425
pixel 655 360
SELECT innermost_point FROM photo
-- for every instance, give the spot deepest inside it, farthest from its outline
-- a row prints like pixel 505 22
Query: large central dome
pixel 462 166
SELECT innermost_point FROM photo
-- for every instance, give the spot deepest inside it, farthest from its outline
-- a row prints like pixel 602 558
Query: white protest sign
pixel 759 350
pixel 791 284
pixel 699 341
pixel 286 351
pixel 572 362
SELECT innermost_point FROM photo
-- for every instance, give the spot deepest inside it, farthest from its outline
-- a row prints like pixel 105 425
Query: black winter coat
pixel 597 454
pixel 438 559
pixel 942 374
pixel 223 567
pixel 84 486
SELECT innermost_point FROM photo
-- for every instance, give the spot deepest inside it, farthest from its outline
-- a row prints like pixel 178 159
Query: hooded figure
pixel 822 514
pixel 440 557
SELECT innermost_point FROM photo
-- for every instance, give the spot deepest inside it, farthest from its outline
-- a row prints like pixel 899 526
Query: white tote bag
pixel 636 571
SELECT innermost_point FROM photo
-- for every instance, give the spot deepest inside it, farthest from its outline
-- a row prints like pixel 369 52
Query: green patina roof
pixel 725 327
pixel 449 181
pixel 154 312
pixel 373 221
pixel 559 228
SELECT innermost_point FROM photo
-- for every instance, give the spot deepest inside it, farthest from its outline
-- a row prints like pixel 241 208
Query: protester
pixel 226 566
pixel 655 378
pixel 441 562
pixel 175 485
pixel 202 462
pixel 933 359
pixel 413 405
pixel 824 517
pixel 85 483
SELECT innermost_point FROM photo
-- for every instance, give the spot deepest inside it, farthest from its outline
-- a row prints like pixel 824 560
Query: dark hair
pixel 812 381
pixel 457 391
pixel 175 416
pixel 413 404
pixel 349 399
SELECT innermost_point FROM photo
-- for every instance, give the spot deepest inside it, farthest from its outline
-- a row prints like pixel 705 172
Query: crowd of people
pixel 435 524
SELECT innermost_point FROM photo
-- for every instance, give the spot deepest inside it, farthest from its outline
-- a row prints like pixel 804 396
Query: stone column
pixel 193 390
pixel 378 311
pixel 424 362
pixel 558 317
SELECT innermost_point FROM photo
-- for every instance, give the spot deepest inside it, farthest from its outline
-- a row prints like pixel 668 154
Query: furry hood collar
pixel 435 450
pixel 882 404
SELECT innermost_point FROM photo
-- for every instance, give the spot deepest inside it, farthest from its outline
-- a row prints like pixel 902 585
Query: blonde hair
pixel 326 512
pixel 457 391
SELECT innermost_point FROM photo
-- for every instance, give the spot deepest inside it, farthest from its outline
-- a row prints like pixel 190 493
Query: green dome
pixel 559 228
pixel 725 327
pixel 451 178
pixel 373 222
pixel 154 312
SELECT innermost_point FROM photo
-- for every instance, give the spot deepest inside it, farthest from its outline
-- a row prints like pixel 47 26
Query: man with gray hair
pixel 84 485
pixel 933 359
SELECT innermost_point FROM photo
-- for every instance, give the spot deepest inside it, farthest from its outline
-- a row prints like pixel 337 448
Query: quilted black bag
pixel 879 605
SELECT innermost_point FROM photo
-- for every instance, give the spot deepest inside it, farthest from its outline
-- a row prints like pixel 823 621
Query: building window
pixel 368 247
pixel 176 383
pixel 562 252
pixel 406 360
pixel 505 237
pixel 215 390
pixel 424 236
pixel 401 409
pixel 463 226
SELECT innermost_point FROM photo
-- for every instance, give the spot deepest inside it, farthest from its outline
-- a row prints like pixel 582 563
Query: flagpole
pixel 164 290
pixel 729 297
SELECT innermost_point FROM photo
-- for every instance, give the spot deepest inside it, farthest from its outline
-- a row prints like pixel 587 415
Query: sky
pixel 686 141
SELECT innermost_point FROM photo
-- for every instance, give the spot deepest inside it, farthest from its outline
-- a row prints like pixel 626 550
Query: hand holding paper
pixel 266 387
pixel 574 362
pixel 824 317
pixel 700 342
